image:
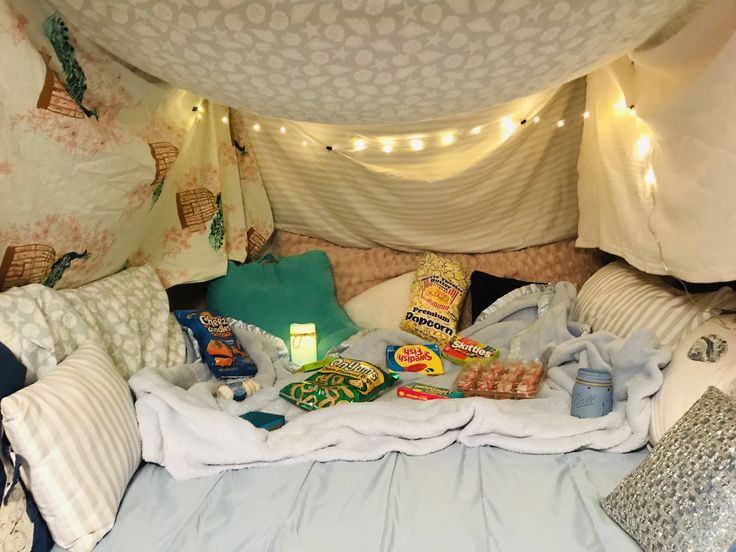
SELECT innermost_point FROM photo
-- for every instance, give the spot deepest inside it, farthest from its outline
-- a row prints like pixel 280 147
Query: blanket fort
pixel 192 434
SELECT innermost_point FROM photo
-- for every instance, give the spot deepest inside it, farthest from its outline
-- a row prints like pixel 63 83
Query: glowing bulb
pixel 536 120
pixel 650 178
pixel 561 123
pixel 198 116
pixel 304 142
pixel 282 130
pixel 359 144
pixel 200 108
pixel 643 145
pixel 448 139
pixel 508 127
pixel 586 114
pixel 475 130
pixel 225 119
pixel 632 112
pixel 416 144
pixel 620 105
pixel 257 127
pixel 388 147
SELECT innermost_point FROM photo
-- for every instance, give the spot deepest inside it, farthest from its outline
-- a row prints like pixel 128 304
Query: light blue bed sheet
pixel 459 499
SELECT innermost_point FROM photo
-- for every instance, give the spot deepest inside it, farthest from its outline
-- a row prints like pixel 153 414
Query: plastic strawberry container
pixel 501 379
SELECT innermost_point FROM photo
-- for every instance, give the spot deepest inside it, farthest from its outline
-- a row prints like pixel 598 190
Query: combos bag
pixel 342 380
pixel 436 296
pixel 219 346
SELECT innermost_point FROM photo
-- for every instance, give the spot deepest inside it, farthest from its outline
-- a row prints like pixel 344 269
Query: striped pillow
pixel 620 299
pixel 77 433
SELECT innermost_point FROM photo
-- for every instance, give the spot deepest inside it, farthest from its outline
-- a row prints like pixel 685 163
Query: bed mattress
pixel 462 499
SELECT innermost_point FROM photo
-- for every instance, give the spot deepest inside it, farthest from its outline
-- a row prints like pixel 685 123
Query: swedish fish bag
pixel 436 297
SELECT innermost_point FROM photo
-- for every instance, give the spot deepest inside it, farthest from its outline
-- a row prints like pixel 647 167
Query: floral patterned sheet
pixel 103 166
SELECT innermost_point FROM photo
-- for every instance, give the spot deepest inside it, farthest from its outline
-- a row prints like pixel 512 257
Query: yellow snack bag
pixel 436 297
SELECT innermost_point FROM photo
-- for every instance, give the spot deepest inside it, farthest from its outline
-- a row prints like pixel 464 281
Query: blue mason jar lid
pixel 594 376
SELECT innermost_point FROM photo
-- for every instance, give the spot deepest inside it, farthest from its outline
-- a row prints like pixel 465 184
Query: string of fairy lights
pixel 508 125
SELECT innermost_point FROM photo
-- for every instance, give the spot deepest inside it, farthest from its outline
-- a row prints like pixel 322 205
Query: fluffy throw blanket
pixel 192 434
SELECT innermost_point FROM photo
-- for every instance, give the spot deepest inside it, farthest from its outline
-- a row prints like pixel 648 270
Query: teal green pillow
pixel 273 292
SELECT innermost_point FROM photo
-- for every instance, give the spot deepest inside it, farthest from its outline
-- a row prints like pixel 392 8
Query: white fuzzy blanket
pixel 192 434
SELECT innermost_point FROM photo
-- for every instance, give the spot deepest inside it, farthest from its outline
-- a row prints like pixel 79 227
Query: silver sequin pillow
pixel 683 496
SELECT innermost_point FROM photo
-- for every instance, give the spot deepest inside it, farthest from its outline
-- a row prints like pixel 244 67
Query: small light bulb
pixel 586 114
pixel 225 119
pixel 359 144
pixel 475 130
pixel 643 145
pixel 620 105
pixel 632 112
pixel 561 123
pixel 282 130
pixel 200 108
pixel 416 144
pixel 508 126
pixel 304 142
pixel 650 178
pixel 536 120
pixel 257 127
pixel 388 148
pixel 448 139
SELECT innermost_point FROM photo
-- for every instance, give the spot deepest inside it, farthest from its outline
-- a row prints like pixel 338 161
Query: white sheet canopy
pixel 367 61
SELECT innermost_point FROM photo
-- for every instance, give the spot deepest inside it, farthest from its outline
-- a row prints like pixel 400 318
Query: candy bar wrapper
pixel 424 392
pixel 422 359
pixel 462 350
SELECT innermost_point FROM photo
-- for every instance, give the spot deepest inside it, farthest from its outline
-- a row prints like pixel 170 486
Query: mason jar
pixel 592 394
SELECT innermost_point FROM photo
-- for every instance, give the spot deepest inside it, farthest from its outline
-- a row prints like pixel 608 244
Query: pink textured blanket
pixel 356 270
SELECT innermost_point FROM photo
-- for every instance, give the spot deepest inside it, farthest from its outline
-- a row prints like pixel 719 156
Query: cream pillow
pixel 77 433
pixel 621 299
pixel 686 379
pixel 383 306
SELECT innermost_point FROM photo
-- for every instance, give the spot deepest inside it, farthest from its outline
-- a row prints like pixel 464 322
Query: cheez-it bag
pixel 436 297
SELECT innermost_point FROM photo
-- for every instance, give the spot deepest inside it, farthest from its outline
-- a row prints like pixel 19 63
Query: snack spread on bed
pixel 422 359
pixel 342 380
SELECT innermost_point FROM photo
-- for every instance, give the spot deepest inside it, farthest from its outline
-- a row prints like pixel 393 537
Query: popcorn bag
pixel 436 297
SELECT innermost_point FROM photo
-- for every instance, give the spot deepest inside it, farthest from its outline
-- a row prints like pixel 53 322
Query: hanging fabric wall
pixel 96 161
pixel 503 178
pixel 658 156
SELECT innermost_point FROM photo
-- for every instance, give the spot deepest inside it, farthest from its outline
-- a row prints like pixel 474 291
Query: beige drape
pixel 657 184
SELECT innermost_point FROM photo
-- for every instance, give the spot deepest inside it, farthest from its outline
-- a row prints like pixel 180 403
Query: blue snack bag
pixel 219 346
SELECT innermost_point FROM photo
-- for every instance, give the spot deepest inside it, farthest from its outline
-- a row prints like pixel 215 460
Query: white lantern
pixel 303 343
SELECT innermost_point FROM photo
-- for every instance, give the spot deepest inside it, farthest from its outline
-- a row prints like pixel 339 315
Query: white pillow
pixel 685 380
pixel 77 433
pixel 620 299
pixel 383 306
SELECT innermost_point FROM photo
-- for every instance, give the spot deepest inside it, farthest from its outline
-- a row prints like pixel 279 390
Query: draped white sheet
pixel 367 61
pixel 667 208
pixel 508 187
